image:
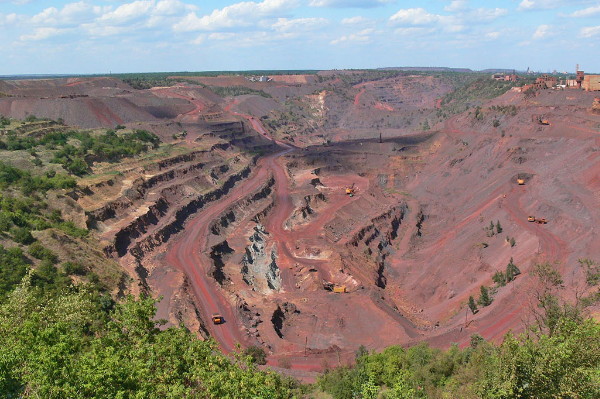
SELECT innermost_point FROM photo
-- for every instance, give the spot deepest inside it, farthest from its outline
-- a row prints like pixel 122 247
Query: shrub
pixel 71 268
pixel 499 278
pixel 484 297
pixel 472 305
pixel 38 251
pixel 23 236
pixel 256 354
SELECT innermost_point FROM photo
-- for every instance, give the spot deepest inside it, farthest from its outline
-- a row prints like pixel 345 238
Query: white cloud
pixel 457 5
pixel 236 15
pixel 349 3
pixel 542 32
pixel 546 4
pixel 486 14
pixel 413 32
pixel 70 14
pixel 42 33
pixel 355 20
pixel 128 12
pixel 364 36
pixel 8 19
pixel 492 35
pixel 299 24
pixel 221 36
pixel 590 31
pixel 587 12
pixel 415 16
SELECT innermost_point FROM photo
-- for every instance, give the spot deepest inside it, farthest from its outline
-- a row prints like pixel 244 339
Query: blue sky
pixel 101 36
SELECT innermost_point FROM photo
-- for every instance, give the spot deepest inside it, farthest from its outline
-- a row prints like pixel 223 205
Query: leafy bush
pixel 38 251
pixel 74 346
pixel 256 354
pixel 22 235
pixel 73 268
pixel 13 266
pixel 72 230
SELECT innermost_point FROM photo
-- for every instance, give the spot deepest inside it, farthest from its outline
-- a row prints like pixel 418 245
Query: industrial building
pixel 591 83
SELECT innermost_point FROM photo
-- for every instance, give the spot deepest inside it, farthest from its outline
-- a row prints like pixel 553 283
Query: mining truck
pixel 217 318
pixel 340 289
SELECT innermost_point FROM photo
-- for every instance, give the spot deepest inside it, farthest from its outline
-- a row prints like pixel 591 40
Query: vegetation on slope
pixel 232 91
pixel 563 365
pixel 558 357
pixel 472 90
pixel 75 150
pixel 76 344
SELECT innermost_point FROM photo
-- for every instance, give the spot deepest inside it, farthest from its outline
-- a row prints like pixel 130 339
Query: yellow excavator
pixel 351 190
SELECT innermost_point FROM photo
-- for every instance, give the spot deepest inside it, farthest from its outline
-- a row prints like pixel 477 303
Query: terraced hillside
pixel 320 213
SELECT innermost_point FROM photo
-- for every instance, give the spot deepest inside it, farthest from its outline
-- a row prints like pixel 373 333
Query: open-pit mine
pixel 310 215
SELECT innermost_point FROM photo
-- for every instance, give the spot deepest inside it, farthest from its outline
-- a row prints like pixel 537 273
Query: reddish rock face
pixel 248 215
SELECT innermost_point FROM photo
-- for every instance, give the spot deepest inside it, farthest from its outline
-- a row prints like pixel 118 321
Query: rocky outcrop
pixel 123 239
pixel 238 210
pixel 306 208
pixel 371 244
pixel 218 255
pixel 259 268
pixel 283 317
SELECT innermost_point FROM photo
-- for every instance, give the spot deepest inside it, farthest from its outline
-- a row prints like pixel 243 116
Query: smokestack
pixel 576 68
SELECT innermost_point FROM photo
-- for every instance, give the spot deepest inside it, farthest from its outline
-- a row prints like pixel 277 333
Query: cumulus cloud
pixel 42 33
pixel 8 19
pixel 547 4
pixel 363 36
pixel 590 31
pixel 355 20
pixel 455 22
pixel 236 15
pixel 70 14
pixel 349 3
pixel 298 24
pixel 587 12
pixel 457 5
pixel 542 32
pixel 416 16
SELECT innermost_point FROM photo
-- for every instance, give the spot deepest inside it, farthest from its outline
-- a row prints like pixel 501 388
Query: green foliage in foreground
pixel 564 365
pixel 71 346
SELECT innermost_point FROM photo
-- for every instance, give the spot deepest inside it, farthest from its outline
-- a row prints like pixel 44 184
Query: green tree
pixel 472 305
pixel 484 297
pixel 498 227
pixel 512 271
pixel 368 389
pixel 500 278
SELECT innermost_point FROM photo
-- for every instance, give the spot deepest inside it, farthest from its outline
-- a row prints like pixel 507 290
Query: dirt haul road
pixel 189 254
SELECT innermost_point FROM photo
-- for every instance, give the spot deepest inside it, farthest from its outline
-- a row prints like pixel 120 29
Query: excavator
pixel 339 289
pixel 350 190
pixel 541 120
